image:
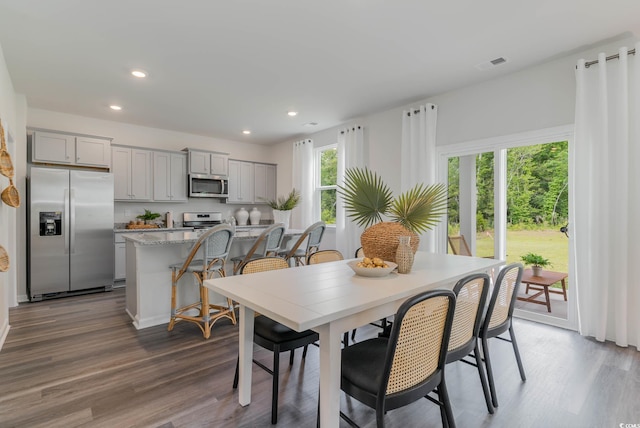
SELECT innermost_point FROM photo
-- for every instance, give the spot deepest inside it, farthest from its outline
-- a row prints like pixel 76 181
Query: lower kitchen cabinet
pixel 121 264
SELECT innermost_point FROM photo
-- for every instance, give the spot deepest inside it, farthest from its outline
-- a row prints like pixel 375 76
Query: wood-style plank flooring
pixel 78 362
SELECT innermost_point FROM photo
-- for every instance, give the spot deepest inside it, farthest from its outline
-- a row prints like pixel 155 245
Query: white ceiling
pixel 217 67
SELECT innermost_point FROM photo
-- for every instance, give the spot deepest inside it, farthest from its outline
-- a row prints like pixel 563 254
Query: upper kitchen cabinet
pixel 241 182
pixel 264 182
pixel 131 174
pixel 67 149
pixel 169 176
pixel 251 182
pixel 208 163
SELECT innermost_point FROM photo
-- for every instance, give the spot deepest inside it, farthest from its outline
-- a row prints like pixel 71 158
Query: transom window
pixel 326 180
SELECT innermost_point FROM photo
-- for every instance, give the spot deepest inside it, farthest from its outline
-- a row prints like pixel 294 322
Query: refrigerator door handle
pixel 66 221
pixel 72 221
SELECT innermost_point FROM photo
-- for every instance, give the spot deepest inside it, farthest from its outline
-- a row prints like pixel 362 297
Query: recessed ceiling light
pixel 292 113
pixel 246 132
pixel 139 73
pixel 115 107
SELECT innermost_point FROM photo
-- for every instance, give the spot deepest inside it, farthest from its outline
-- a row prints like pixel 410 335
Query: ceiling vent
pixel 491 64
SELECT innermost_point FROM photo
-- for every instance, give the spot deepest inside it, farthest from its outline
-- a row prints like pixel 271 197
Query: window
pixel 326 180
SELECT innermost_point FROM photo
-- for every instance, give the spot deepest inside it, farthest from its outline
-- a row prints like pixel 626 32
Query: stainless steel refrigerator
pixel 70 228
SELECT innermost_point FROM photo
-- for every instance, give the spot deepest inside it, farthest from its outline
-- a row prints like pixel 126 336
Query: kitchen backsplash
pixel 124 212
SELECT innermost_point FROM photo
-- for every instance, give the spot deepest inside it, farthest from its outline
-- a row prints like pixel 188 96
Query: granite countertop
pixel 154 229
pixel 158 237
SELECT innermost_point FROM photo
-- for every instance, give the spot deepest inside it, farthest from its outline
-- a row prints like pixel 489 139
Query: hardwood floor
pixel 78 362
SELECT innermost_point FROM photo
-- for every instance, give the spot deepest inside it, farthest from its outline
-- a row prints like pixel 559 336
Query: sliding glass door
pixel 510 198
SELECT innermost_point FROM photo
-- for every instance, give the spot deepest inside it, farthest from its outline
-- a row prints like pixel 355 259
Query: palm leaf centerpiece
pixel 368 200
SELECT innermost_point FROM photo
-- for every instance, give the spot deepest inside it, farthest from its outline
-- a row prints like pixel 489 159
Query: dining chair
pixel 498 319
pixel 359 253
pixel 266 244
pixel 388 373
pixel 324 256
pixel 471 297
pixel 272 335
pixel 459 245
pixel 313 237
pixel 206 258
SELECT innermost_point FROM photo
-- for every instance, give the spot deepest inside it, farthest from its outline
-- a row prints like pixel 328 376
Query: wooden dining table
pixel 331 299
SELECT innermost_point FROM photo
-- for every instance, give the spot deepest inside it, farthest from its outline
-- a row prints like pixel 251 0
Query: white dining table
pixel 331 299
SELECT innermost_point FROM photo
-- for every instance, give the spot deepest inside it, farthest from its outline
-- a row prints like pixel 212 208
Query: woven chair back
pixel 312 235
pixel 471 293
pixel 264 264
pixel 504 293
pixel 315 236
pixel 459 245
pixel 217 244
pixel 422 336
pixel 325 256
pixel 273 239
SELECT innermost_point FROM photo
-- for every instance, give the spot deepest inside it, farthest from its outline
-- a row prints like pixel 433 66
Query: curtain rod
pixel 416 111
pixel 353 129
pixel 610 57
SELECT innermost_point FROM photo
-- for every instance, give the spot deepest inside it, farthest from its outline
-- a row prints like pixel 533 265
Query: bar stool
pixel 215 244
pixel 313 235
pixel 267 243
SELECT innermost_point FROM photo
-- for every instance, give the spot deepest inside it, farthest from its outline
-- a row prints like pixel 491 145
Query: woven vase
pixel 381 240
pixel 404 254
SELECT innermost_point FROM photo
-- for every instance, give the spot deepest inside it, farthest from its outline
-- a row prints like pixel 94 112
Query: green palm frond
pixel 420 208
pixel 366 196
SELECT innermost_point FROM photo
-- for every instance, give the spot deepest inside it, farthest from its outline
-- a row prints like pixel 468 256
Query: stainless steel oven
pixel 201 220
pixel 208 186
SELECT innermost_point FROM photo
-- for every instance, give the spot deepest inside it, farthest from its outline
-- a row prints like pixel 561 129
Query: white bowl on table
pixel 373 271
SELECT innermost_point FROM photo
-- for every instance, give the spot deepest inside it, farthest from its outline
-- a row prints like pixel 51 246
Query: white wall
pixel 536 98
pixel 12 114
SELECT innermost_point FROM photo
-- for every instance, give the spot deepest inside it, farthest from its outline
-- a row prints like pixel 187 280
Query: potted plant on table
pixel 148 216
pixel 536 261
pixel 282 206
pixel 367 199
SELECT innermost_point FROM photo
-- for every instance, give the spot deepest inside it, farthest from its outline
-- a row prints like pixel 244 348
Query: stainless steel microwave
pixel 208 186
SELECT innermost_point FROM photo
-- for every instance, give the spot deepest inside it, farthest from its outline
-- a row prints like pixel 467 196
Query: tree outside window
pixel 327 158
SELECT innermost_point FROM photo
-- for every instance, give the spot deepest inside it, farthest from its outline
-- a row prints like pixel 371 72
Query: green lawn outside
pixel 550 244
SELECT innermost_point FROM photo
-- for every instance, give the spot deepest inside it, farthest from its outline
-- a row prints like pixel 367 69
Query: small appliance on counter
pixel 201 220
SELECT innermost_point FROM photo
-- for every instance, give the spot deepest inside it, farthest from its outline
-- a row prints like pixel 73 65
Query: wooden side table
pixel 541 284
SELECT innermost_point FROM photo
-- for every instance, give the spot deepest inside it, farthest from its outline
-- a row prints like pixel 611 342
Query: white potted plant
pixel 283 205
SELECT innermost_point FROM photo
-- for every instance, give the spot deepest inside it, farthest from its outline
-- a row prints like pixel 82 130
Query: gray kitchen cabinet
pixel 169 176
pixel 219 164
pixel 68 149
pixel 241 182
pixel 264 182
pixel 208 163
pixel 120 272
pixel 131 169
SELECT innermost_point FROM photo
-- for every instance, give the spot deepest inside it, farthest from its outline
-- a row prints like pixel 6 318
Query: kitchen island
pixel 148 277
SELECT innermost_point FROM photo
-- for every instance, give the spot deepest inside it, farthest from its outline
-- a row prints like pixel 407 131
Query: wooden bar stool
pixel 214 247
